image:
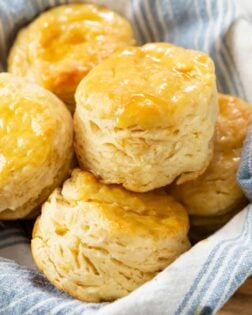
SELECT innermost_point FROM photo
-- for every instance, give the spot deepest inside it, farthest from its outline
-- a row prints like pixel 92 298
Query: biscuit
pixel 99 242
pixel 36 145
pixel 216 191
pixel 146 116
pixel 63 44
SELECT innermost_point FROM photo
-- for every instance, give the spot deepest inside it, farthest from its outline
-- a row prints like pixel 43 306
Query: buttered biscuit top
pixel 36 145
pixel 147 87
pixel 146 116
pixel 63 44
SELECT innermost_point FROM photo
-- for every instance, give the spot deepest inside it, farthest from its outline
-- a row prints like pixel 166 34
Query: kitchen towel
pixel 204 278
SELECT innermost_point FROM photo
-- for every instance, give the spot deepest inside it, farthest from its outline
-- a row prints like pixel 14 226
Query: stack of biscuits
pixel 157 150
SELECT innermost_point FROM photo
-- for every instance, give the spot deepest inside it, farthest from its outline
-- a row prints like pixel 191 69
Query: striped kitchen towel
pixel 204 278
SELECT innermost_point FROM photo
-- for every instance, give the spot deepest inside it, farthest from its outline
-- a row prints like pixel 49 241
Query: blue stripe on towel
pixel 136 24
pixel 208 264
pixel 237 248
pixel 144 12
pixel 169 20
pixel 158 19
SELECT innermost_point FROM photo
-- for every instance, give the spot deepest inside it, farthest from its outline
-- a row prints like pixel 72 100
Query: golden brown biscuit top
pixel 27 127
pixel 154 213
pixel 63 30
pixel 235 116
pixel 147 87
pixel 63 44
